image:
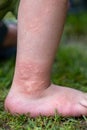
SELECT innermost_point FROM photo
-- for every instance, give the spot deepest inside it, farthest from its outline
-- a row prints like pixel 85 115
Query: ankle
pixel 31 78
pixel 31 89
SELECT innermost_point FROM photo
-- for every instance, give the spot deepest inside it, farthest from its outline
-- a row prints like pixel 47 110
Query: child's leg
pixel 40 28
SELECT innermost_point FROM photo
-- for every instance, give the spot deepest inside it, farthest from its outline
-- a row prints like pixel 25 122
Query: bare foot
pixel 67 101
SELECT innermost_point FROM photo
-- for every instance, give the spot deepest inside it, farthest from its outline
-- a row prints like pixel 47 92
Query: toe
pixel 81 108
pixel 83 102
pixel 85 96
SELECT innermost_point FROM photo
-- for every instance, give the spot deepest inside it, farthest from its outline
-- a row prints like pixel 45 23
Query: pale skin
pixel 40 26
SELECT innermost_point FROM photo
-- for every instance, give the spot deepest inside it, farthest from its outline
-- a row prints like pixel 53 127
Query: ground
pixel 69 69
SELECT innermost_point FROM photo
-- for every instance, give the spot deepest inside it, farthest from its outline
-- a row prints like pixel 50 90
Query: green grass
pixel 70 69
pixel 76 25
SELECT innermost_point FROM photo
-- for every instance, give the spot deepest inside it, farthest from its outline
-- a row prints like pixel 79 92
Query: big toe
pixel 82 106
